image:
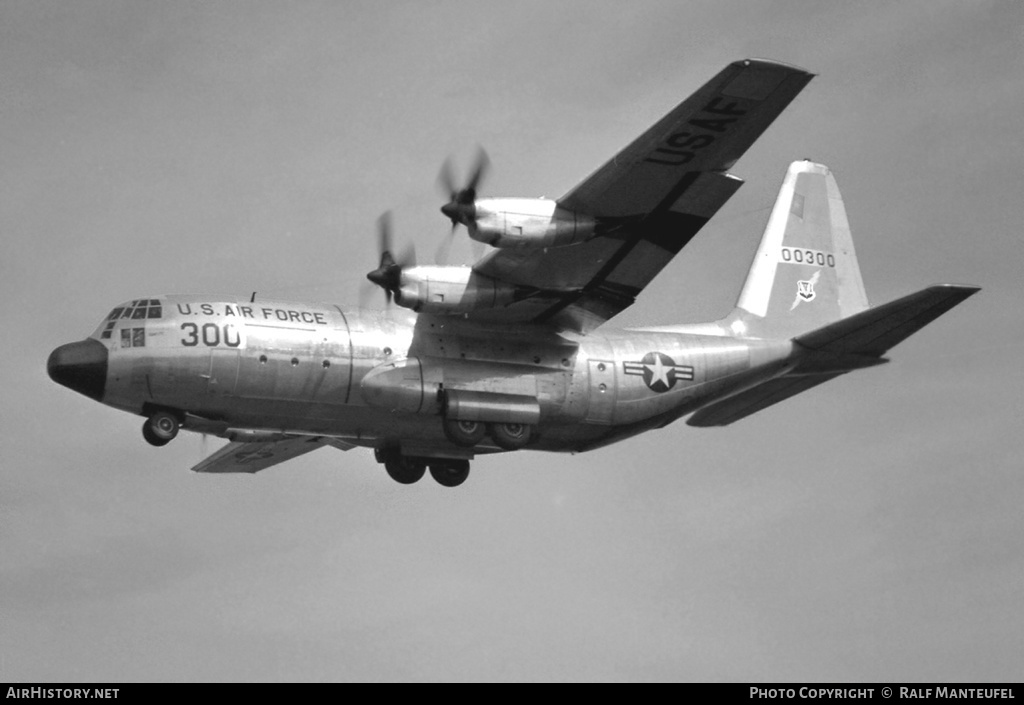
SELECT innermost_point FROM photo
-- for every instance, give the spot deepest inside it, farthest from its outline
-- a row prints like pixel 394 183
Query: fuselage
pixel 233 367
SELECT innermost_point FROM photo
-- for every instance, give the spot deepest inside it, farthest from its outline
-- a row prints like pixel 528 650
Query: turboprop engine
pixel 437 289
pixel 510 222
pixel 526 222
pixel 452 290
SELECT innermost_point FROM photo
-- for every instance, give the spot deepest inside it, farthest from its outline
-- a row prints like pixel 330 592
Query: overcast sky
pixel 870 529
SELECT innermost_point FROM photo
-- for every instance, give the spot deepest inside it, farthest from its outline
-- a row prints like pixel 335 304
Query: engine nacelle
pixel 528 222
pixel 452 290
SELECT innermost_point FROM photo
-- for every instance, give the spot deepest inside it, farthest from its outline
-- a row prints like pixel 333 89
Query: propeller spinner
pixel 388 274
pixel 461 206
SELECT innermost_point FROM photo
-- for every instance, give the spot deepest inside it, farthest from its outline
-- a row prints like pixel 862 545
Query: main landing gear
pixel 448 472
pixel 160 428
pixel 509 436
pixel 403 470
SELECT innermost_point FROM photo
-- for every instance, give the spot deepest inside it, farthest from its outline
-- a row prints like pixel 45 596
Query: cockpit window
pixel 138 309
pixel 133 337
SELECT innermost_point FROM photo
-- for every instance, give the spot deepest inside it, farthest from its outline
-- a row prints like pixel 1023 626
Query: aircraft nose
pixel 81 366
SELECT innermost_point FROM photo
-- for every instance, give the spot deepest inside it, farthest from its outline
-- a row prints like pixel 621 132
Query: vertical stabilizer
pixel 805 273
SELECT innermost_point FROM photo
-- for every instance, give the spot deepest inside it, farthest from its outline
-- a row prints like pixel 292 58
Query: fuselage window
pixel 107 331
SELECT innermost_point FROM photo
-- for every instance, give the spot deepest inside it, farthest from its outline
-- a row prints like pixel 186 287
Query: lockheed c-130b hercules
pixel 510 353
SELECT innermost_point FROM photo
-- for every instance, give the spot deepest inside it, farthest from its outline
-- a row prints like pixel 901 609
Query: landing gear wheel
pixel 464 433
pixel 160 428
pixel 510 436
pixel 147 433
pixel 450 473
pixel 404 470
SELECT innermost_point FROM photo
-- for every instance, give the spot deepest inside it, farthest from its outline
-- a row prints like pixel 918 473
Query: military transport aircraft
pixel 510 353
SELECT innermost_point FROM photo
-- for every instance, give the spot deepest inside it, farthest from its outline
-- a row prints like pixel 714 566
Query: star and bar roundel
pixel 660 372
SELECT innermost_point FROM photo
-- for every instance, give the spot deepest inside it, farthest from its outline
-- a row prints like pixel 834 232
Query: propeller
pixel 388 274
pixel 460 207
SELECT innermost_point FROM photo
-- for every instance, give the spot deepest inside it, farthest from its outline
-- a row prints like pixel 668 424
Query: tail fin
pixel 805 273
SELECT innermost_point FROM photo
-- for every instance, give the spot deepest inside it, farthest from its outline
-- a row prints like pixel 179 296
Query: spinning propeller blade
pixel 388 274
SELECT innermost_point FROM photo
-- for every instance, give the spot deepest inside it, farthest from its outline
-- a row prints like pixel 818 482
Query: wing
pixel 649 200
pixel 254 456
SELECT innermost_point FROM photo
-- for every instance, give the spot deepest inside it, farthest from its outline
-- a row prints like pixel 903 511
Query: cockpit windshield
pixel 136 310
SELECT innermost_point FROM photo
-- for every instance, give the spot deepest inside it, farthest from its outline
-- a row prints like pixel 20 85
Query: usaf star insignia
pixel 660 372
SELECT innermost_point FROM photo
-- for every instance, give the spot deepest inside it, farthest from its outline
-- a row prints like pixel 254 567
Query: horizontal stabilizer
pixel 878 329
pixel 851 343
pixel 753 400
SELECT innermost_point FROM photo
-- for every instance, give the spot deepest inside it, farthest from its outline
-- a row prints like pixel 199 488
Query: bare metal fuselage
pixel 285 367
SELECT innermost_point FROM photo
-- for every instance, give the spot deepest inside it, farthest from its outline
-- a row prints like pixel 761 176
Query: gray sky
pixel 867 530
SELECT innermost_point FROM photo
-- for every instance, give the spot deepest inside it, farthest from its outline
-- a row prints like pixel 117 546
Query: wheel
pixel 161 428
pixel 510 436
pixel 148 434
pixel 464 433
pixel 450 473
pixel 404 470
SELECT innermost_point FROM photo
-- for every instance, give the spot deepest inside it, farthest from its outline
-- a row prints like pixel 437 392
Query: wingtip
pixel 966 289
pixel 773 63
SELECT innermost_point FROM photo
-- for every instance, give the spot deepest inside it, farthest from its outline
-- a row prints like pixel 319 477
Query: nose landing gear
pixel 160 428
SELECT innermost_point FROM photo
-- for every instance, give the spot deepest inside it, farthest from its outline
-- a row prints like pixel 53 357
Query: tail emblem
pixel 805 290
pixel 660 372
